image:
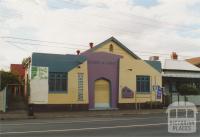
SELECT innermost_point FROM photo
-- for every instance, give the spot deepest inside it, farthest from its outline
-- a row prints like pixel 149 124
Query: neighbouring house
pixel 194 61
pixel 17 88
pixel 107 76
pixel 178 72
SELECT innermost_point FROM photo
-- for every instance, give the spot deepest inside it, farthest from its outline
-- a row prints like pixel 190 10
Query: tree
pixel 25 61
pixel 187 89
pixel 7 78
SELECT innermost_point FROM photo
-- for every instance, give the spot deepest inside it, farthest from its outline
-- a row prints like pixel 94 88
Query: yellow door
pixel 102 94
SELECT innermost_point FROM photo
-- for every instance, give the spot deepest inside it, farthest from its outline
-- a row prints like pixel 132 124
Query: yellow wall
pixel 128 78
pixel 71 97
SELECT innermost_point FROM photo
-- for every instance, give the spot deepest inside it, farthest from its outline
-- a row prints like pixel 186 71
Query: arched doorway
pixel 102 94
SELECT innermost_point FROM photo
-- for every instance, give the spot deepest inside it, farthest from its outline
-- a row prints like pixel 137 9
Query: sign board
pixel 39 72
pixel 127 93
pixel 159 93
pixel 39 85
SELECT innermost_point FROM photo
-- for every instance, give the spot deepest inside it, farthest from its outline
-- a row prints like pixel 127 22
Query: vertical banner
pixel 159 93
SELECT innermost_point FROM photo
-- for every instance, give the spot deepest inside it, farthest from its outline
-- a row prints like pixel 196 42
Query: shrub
pixel 153 104
pixel 186 89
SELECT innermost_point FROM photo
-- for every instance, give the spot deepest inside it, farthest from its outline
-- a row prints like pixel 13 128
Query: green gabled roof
pixel 57 62
pixel 117 42
pixel 155 64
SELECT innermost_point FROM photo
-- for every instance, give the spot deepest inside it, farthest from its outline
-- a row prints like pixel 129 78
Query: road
pixel 147 125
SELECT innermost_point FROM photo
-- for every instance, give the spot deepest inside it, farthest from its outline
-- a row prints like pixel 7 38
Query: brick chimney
pixel 78 52
pixel 91 44
pixel 154 58
pixel 174 56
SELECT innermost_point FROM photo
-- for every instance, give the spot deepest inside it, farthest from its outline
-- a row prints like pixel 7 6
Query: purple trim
pixel 103 65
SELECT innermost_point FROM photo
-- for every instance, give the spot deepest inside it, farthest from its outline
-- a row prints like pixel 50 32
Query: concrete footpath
pixel 78 114
pixel 73 114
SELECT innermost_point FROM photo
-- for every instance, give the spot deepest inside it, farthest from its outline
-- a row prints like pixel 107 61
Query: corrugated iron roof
pixel 57 62
pixel 181 65
pixel 155 64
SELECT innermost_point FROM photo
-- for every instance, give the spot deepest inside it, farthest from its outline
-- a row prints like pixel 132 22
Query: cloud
pixel 161 28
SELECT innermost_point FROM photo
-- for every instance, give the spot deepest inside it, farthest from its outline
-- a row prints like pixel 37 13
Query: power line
pixel 162 23
pixel 63 43
pixel 36 44
pixel 67 47
pixel 52 42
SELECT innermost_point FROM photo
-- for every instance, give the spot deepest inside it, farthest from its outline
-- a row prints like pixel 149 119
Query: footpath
pixel 13 115
pixel 22 114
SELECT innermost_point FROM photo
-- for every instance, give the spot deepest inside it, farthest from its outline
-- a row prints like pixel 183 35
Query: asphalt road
pixel 148 125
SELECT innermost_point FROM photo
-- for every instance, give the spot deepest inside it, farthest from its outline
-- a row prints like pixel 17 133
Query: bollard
pixel 30 110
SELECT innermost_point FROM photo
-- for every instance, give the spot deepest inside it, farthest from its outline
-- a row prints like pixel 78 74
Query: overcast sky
pixel 147 27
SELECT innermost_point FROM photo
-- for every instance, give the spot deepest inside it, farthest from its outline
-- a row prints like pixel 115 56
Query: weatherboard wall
pixel 129 68
pixel 71 95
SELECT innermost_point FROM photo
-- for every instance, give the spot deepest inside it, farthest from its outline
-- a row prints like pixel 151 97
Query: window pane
pixel 64 85
pixel 148 86
pixel 57 81
pixel 57 84
pixel 52 75
pixel 138 85
pixel 143 83
pixel 58 75
pixel 142 86
pixel 51 84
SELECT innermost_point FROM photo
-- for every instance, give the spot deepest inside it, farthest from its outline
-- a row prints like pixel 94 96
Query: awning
pixel 181 74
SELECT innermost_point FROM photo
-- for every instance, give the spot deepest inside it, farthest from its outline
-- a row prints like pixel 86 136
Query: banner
pixel 39 72
pixel 159 93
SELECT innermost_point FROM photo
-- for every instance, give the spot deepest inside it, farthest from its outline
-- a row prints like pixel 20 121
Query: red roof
pixel 17 69
pixel 194 61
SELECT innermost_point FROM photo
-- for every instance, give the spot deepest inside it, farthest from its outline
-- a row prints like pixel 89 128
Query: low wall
pixel 3 100
pixel 58 107
pixel 191 98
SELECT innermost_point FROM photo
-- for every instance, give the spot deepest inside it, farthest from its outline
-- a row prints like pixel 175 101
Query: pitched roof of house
pixel 155 64
pixel 57 62
pixel 194 61
pixel 181 65
pixel 117 42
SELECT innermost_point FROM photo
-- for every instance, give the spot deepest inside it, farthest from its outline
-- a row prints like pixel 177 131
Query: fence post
pixel 178 98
